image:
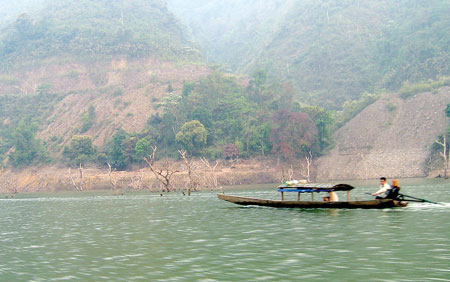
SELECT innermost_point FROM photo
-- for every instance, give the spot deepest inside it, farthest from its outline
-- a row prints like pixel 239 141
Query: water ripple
pixel 176 238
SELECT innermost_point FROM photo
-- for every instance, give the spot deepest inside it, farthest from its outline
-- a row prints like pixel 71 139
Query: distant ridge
pixel 93 28
pixel 333 51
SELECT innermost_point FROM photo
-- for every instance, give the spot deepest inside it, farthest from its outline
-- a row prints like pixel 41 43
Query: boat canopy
pixel 315 188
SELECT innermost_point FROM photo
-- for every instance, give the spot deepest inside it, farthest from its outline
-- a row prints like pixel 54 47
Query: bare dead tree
pixel 79 182
pixel 211 177
pixel 309 160
pixel 282 171
pixel 136 182
pixel 444 154
pixel 290 172
pixel 164 173
pixel 113 179
pixel 191 167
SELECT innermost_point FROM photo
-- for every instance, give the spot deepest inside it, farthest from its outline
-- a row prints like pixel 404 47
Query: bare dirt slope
pixel 389 138
pixel 124 93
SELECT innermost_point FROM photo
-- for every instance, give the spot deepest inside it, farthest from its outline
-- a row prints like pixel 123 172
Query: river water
pixel 146 237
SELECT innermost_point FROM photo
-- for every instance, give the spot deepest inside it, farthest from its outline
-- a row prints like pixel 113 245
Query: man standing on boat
pixel 384 187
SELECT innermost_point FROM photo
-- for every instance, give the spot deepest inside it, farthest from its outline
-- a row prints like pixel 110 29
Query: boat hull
pixel 372 204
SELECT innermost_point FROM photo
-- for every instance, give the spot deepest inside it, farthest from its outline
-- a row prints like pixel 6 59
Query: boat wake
pixel 428 206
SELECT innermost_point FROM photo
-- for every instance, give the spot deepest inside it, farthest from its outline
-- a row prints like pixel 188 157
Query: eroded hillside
pixel 391 138
pixel 124 93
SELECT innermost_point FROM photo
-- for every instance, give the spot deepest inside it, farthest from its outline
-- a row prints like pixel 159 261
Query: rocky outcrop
pixel 391 138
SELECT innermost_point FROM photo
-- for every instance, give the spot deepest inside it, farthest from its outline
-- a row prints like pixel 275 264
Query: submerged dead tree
pixel 164 172
pixel 136 182
pixel 80 183
pixel 211 177
pixel 309 160
pixel 191 167
pixel 286 172
pixel 444 154
pixel 113 179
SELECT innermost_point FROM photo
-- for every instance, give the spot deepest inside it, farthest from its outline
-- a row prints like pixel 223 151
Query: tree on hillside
pixel 142 149
pixel 170 105
pixel 192 136
pixel 88 119
pixel 323 120
pixel 188 87
pixel 260 138
pixel 115 154
pixel 27 148
pixel 203 116
pixel 129 148
pixel 81 150
pixel 257 85
pixel 292 133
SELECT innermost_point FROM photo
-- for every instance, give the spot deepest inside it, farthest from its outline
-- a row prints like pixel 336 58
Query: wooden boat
pixel 314 188
pixel 371 204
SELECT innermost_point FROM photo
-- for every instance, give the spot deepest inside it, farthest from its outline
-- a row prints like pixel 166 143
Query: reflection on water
pixel 199 238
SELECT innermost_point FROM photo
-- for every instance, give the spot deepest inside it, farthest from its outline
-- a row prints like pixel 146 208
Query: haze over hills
pixel 120 76
pixel 90 28
pixel 332 51
pixel 113 59
pixel 9 10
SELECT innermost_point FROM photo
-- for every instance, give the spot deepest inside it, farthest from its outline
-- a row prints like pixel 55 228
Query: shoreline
pixel 225 174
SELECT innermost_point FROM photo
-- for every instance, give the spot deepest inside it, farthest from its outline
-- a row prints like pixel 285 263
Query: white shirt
pixel 383 189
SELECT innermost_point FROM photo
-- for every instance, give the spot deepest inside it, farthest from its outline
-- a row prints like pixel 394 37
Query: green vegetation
pixel 80 150
pixel 92 29
pixel 88 119
pixel 408 90
pixel 299 54
pixel 28 149
pixel 22 116
pixel 115 153
pixel 331 51
pixel 192 136
pixel 217 117
pixel 354 107
pixel 391 107
pixel 142 149
pixel 216 113
pixel 118 92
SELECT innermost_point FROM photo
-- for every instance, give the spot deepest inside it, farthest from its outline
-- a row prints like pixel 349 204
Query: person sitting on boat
pixel 393 192
pixel 384 187
pixel 331 197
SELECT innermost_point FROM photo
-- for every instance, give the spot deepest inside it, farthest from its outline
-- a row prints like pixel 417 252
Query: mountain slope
pixel 89 28
pixel 332 50
pixel 90 67
pixel 9 10
pixel 391 138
